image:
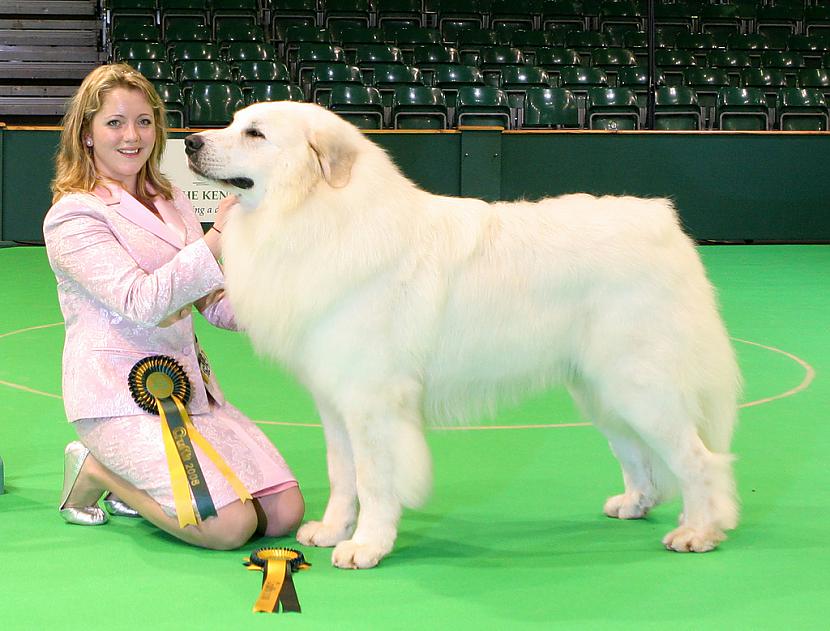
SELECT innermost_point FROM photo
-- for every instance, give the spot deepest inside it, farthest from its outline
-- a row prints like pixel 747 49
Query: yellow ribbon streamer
pixel 271 586
pixel 178 477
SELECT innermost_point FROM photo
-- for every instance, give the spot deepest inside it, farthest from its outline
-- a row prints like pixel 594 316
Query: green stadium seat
pixel 358 104
pixel 585 43
pixel 212 104
pixel 250 51
pixel 297 37
pixel 818 78
pixel 699 44
pixel 470 43
pixel 387 78
pixel 287 13
pixel 154 70
pixel 676 109
pixel 351 38
pixel 199 70
pixel 427 58
pixel 817 20
pixel 515 81
pixel 617 18
pixel 325 76
pixel 780 20
pixel 553 60
pixel 370 56
pixel 407 38
pixel 459 13
pixel 768 80
pixel 742 109
pixel 732 61
pixel 802 109
pixel 613 109
pixel 580 79
pixel 723 20
pixel 123 51
pixel 636 78
pixel 516 14
pixel 419 107
pixel 753 44
pixel 707 84
pixel 563 13
pixel 550 108
pixel 484 106
pixel 529 42
pixel 673 64
pixel 225 10
pixel 251 71
pixel 347 13
pixel 183 51
pixel 309 56
pixel 397 13
pixel 135 31
pixel 187 30
pixel 674 18
pixel 232 30
pixel 612 59
pixel 265 91
pixel 173 98
pixel 450 77
pixel 811 48
pixel 494 59
pixel 787 61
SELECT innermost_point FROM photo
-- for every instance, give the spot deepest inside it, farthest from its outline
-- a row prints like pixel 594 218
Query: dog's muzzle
pixel 192 145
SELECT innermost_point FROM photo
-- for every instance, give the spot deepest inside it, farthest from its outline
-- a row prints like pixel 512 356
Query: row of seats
pixel 605 15
pixel 207 104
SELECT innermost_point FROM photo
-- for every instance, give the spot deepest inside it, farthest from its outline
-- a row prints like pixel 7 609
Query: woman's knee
pixel 284 511
pixel 232 527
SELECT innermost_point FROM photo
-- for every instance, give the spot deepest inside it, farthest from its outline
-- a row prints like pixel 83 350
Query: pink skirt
pixel 132 447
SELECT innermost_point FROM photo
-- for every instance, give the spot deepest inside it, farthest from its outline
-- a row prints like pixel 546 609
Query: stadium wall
pixel 742 187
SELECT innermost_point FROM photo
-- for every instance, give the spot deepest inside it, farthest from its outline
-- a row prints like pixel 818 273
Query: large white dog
pixel 396 307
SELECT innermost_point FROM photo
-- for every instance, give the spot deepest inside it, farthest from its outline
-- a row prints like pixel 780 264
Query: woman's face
pixel 122 134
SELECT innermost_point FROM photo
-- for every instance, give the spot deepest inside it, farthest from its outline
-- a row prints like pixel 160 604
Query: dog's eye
pixel 254 133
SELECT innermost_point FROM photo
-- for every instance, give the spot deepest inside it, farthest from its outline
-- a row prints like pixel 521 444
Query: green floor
pixel 513 536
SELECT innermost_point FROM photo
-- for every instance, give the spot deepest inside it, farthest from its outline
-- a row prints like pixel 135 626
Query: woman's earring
pixel 88 142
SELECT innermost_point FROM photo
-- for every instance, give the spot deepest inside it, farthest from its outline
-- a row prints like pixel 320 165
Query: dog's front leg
pixel 341 512
pixel 373 445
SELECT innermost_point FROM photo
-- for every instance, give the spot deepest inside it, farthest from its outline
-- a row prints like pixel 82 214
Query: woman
pixel 131 260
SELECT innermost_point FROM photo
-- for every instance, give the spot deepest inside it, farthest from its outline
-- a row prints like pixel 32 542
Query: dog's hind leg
pixel 661 416
pixel 341 511
pixel 644 475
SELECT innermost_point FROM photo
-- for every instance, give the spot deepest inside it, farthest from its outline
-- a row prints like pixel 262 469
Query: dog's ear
pixel 336 154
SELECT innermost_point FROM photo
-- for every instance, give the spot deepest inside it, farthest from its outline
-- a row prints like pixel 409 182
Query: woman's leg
pixel 280 513
pixel 231 528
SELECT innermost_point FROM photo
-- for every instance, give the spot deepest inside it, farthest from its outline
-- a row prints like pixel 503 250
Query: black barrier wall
pixel 727 186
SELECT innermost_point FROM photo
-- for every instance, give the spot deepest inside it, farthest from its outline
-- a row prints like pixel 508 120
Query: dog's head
pixel 282 146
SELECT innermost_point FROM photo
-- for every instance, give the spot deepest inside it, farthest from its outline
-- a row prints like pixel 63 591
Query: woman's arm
pixel 82 247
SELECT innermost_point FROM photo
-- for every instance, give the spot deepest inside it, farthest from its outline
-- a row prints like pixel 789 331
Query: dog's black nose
pixel 193 143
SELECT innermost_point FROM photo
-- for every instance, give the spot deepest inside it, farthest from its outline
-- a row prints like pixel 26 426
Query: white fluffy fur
pixel 396 307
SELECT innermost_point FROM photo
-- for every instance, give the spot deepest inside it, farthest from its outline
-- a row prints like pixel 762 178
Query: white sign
pixel 202 193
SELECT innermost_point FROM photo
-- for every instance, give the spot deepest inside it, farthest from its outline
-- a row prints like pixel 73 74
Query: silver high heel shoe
pixel 117 508
pixel 73 459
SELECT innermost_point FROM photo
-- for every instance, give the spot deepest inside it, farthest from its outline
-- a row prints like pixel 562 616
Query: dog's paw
pixel 688 539
pixel 627 506
pixel 350 555
pixel 317 533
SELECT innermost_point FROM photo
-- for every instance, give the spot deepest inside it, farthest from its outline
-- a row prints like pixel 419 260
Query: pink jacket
pixel 121 272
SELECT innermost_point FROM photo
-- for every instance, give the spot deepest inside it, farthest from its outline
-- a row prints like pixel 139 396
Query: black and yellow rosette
pixel 159 385
pixel 277 566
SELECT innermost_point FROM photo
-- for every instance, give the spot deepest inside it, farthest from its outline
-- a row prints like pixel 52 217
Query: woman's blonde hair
pixel 74 166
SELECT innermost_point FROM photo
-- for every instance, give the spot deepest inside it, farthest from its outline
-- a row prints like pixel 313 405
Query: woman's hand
pixel 223 211
pixel 213 238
